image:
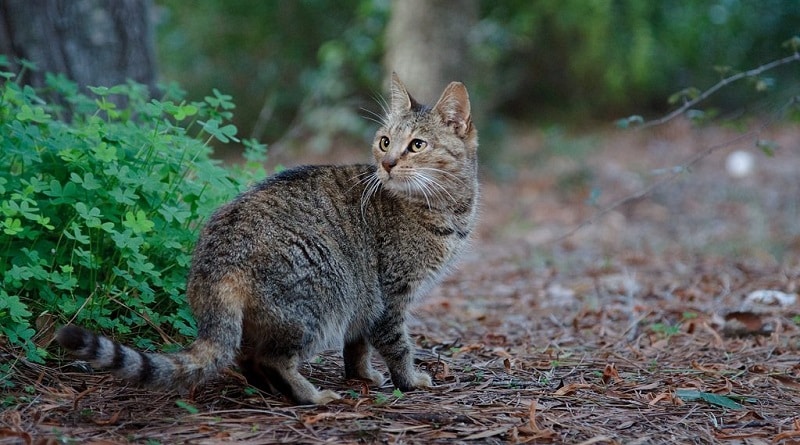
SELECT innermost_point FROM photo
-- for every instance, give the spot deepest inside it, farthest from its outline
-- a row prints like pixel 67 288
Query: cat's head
pixel 427 153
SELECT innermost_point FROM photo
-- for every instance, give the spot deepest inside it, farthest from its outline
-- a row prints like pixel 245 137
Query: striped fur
pixel 323 256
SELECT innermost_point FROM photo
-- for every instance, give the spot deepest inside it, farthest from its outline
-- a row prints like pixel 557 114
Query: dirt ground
pixel 644 325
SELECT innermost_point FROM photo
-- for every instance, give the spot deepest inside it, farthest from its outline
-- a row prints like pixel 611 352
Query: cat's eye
pixel 417 145
pixel 384 143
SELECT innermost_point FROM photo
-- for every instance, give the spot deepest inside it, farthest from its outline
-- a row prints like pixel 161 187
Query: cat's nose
pixel 388 164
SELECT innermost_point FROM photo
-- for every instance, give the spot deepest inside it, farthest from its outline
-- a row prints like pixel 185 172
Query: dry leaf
pixel 787 381
pixel 610 373
pixel 785 435
pixel 495 339
pixel 468 348
pixel 742 323
pixel 439 369
pixel 7 433
pixel 532 430
pixel 662 396
pixel 705 369
pixel 571 388
pixel 532 417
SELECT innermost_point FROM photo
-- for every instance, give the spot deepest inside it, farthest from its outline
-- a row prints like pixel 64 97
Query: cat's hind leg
pixel 282 374
pixel 251 370
pixel 357 364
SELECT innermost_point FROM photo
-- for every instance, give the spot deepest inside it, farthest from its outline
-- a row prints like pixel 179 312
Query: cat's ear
pixel 401 100
pixel 454 108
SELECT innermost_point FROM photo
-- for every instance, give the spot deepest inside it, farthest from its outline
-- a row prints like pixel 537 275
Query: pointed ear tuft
pixel 454 108
pixel 401 100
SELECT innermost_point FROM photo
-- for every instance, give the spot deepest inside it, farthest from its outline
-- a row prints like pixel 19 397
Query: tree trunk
pixel 92 42
pixel 427 44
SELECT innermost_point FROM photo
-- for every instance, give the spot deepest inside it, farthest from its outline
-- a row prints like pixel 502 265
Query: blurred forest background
pixel 309 71
pixel 307 68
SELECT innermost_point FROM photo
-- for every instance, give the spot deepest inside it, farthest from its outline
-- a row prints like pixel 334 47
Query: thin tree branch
pixel 707 93
pixel 675 172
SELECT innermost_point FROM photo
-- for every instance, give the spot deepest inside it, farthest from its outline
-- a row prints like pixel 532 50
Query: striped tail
pixel 201 361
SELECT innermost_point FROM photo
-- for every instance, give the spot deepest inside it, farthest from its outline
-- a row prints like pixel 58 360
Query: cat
pixel 317 256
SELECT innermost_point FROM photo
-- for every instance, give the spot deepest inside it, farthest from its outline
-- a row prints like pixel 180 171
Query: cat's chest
pixel 413 257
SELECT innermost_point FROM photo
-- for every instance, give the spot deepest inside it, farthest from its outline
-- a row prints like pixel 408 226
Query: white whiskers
pixel 436 187
pixel 372 183
pixel 378 118
pixel 421 182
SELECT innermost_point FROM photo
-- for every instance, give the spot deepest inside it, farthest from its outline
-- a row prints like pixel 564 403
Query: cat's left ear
pixel 401 99
pixel 454 108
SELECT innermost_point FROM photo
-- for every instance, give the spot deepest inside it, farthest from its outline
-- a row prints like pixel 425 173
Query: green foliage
pixel 289 61
pixel 601 55
pixel 283 61
pixel 665 330
pixel 383 399
pixel 100 206
pixel 186 406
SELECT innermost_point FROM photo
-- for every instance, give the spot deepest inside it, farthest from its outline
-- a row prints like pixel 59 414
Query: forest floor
pixel 645 325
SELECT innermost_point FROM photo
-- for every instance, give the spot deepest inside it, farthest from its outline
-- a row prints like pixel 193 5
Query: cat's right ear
pixel 401 99
pixel 454 108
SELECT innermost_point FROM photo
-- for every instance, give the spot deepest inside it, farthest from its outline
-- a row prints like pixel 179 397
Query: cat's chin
pixel 409 191
pixel 402 187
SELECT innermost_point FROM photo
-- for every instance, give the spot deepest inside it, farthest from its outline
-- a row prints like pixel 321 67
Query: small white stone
pixel 740 163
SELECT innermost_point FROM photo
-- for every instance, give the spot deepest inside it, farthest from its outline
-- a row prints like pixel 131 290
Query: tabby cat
pixel 320 256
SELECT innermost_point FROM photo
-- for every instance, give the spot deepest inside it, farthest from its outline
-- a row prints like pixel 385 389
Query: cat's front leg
pixel 357 364
pixel 393 343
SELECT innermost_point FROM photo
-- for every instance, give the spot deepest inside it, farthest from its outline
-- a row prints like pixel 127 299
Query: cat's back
pixel 307 205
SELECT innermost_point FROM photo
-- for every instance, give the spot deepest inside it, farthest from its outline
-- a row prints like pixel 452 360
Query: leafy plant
pixel 186 406
pixel 665 330
pixel 100 206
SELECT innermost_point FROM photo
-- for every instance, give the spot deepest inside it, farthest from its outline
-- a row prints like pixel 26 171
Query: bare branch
pixel 676 171
pixel 707 93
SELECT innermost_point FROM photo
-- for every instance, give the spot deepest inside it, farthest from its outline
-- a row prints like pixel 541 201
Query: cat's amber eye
pixel 417 145
pixel 384 143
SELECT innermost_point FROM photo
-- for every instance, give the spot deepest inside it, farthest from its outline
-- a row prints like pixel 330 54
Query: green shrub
pixel 100 206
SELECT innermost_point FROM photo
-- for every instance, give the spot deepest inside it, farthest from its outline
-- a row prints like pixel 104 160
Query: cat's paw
pixel 367 373
pixel 411 381
pixel 421 380
pixel 326 396
pixel 375 377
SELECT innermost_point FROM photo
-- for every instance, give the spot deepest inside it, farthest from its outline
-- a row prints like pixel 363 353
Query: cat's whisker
pixel 450 175
pixel 421 185
pixel 382 102
pixel 443 189
pixel 372 185
pixel 436 188
pixel 374 116
pixel 378 118
pixel 361 178
pixel 362 175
